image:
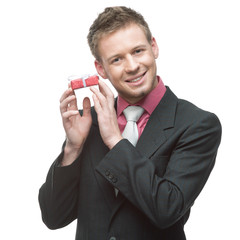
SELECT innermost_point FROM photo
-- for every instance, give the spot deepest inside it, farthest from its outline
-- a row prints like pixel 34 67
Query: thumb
pixel 86 107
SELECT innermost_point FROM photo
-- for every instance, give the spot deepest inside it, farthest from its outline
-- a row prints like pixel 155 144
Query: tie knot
pixel 133 113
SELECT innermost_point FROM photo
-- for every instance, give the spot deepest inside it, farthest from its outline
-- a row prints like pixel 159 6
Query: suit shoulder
pixel 185 109
pixel 192 113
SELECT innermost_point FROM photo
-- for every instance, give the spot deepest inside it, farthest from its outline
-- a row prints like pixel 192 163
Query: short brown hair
pixel 111 20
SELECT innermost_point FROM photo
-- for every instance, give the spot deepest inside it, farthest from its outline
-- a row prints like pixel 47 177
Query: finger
pixel 101 98
pixel 86 107
pixel 97 105
pixel 68 103
pixel 106 91
pixel 68 114
pixel 72 105
pixel 67 93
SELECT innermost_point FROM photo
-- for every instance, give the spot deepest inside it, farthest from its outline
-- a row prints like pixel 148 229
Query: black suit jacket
pixel 158 180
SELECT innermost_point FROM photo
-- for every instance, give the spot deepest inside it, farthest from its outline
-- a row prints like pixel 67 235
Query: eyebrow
pixel 140 46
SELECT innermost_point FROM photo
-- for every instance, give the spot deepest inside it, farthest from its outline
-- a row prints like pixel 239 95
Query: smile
pixel 136 79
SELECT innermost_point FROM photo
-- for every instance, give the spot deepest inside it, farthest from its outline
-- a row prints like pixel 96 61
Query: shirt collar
pixel 149 102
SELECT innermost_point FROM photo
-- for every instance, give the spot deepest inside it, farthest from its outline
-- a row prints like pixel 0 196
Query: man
pixel 137 187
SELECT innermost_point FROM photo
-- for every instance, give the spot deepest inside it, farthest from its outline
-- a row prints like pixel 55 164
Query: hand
pixel 107 118
pixel 77 127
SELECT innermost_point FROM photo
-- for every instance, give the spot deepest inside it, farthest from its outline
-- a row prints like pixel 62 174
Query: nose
pixel 131 65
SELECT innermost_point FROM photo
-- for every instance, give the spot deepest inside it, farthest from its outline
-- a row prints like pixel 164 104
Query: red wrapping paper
pixel 89 81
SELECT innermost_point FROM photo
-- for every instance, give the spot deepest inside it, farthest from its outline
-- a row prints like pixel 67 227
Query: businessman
pixel 130 167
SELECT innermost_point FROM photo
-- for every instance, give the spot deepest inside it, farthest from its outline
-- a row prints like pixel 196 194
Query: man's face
pixel 128 61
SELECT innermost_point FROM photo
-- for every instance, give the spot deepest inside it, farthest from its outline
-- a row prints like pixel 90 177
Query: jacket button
pixel 107 173
pixel 114 180
pixel 110 176
pixel 112 238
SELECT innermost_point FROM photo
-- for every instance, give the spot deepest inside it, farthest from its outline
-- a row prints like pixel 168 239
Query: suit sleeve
pixel 165 199
pixel 59 194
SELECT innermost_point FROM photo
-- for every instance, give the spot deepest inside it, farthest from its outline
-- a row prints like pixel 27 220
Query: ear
pixel 155 48
pixel 100 69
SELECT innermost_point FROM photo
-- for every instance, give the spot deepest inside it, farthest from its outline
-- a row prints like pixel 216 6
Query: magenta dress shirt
pixel 149 103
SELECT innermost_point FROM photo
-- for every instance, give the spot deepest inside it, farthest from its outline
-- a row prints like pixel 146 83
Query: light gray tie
pixel 130 132
pixel 132 114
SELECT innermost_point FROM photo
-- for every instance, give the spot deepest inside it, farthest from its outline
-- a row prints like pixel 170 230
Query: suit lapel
pixel 162 118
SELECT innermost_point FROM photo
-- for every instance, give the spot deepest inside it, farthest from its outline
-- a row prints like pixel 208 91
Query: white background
pixel 43 42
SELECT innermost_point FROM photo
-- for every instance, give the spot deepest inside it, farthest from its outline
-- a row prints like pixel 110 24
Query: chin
pixel 136 97
pixel 143 92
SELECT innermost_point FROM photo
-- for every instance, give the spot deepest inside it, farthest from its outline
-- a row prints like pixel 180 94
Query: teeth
pixel 135 80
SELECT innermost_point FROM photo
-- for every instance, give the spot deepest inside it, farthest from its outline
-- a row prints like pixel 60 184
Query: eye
pixel 138 51
pixel 116 60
